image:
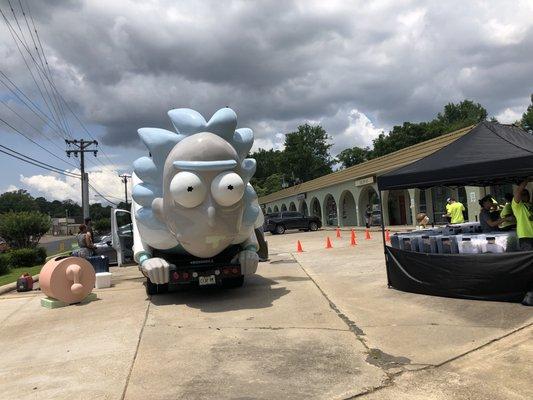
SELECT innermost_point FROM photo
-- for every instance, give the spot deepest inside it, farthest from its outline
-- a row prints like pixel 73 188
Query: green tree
pixel 102 225
pixel 306 155
pixel 453 117
pixel 24 229
pixel 527 118
pixel 18 200
pixel 355 155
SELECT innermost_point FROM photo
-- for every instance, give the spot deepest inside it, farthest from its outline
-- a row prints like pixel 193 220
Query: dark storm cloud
pixel 123 64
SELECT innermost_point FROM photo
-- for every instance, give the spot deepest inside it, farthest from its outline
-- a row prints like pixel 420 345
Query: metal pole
pixel 383 236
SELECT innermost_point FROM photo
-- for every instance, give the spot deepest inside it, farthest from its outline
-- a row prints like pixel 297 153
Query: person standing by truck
pixel 368 215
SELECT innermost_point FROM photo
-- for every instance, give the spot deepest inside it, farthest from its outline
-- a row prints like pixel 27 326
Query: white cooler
pixel 103 280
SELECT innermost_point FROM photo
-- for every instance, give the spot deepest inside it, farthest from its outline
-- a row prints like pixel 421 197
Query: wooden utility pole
pixel 80 147
pixel 125 178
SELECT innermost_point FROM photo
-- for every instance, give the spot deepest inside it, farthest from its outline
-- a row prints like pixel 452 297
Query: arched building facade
pixel 342 197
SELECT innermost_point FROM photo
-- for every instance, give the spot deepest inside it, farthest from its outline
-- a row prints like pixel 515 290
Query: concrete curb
pixel 12 286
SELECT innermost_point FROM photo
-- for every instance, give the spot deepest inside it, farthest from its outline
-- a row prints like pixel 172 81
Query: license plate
pixel 207 280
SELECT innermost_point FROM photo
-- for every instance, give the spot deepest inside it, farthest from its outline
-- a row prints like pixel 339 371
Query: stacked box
pixel 427 244
pixel 446 244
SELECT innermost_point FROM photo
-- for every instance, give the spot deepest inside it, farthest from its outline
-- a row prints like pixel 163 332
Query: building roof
pixel 372 167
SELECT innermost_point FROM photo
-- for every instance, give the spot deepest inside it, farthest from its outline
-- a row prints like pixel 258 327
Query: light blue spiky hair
pixel 187 122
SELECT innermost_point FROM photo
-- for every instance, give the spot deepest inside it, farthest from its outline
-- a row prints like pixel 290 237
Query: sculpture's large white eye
pixel 187 189
pixel 227 188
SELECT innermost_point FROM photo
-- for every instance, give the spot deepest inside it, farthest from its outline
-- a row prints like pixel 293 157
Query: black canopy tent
pixel 489 154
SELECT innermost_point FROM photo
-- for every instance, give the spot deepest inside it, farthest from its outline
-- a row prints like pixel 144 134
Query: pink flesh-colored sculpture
pixel 68 279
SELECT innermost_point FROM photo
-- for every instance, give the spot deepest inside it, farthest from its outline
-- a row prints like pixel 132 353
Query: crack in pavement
pixel 245 328
pixel 386 361
pixel 136 351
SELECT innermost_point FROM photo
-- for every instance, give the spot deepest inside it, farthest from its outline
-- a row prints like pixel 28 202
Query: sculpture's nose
pixel 211 215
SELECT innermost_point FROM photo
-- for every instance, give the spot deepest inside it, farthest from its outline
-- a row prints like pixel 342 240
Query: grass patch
pixel 15 273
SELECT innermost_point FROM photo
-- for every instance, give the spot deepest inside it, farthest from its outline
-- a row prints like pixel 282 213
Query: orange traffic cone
pixel 387 236
pixel 353 239
pixel 367 234
pixel 328 243
pixel 338 233
pixel 299 248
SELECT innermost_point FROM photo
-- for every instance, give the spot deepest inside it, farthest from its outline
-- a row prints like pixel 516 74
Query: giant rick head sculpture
pixel 193 192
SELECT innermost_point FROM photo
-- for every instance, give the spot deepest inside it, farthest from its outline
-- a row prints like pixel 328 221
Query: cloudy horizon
pixel 357 68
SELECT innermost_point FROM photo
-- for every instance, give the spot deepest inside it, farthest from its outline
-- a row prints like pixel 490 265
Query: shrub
pixel 24 229
pixel 4 263
pixel 24 257
pixel 40 256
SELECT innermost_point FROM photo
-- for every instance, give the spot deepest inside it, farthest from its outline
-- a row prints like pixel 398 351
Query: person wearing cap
pixel 486 217
pixel 455 211
pixel 523 212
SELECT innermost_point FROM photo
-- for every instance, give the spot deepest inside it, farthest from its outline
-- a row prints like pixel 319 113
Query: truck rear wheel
pixel 154 288
pixel 232 283
pixel 313 226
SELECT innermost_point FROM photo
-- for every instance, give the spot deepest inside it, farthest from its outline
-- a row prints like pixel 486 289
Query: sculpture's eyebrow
pixel 204 165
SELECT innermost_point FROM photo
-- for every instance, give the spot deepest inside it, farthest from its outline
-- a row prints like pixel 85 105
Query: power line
pixel 53 85
pixel 34 142
pixel 60 111
pixel 34 128
pixel 33 161
pixel 30 101
pixel 93 188
pixel 24 44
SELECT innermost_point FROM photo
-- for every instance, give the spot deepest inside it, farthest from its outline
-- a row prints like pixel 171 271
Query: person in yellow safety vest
pixel 507 212
pixel 455 211
pixel 523 212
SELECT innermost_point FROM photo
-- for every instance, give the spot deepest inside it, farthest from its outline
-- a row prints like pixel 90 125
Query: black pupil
pixel 190 189
pixel 230 187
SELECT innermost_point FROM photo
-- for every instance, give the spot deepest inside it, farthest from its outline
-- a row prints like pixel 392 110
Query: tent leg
pixel 383 236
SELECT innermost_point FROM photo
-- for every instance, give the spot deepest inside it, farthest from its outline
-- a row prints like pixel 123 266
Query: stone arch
pixel 348 210
pixel 283 207
pixel 292 206
pixel 315 209
pixel 269 210
pixel 276 209
pixel 368 195
pixel 303 208
pixel 330 211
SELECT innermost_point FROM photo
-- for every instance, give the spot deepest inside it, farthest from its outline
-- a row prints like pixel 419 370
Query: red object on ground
pixel 338 232
pixel 25 283
pixel 367 234
pixel 299 248
pixel 353 239
pixel 328 243
pixel 387 235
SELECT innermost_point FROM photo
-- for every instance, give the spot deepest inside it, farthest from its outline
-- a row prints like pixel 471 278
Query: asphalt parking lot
pixel 321 324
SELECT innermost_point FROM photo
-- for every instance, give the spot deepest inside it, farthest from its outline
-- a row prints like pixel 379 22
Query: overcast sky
pixel 358 68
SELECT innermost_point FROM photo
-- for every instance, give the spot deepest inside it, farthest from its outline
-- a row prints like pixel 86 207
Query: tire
pixel 154 288
pixel 280 229
pixel 233 283
pixel 313 226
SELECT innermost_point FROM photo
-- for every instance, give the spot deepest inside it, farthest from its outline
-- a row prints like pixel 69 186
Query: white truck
pixel 195 216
